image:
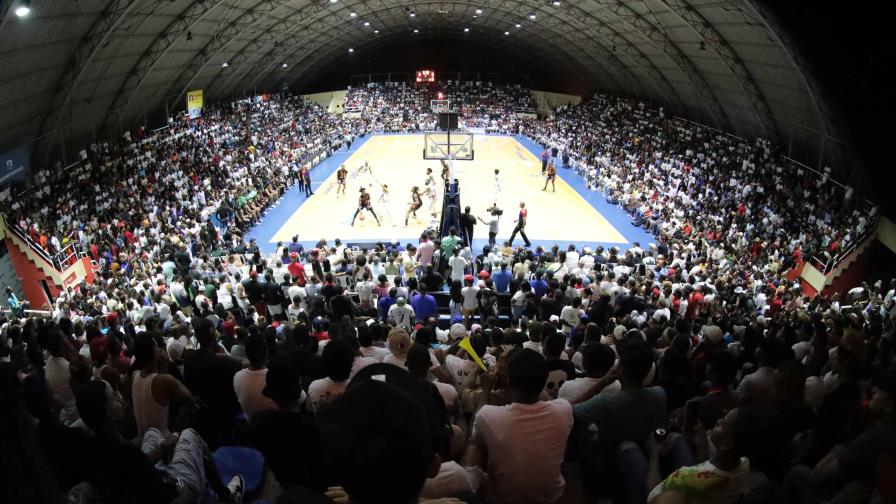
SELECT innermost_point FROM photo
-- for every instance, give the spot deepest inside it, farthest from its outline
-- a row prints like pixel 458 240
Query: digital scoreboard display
pixel 426 76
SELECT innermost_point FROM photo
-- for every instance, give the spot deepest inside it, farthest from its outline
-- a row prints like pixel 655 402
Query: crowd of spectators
pixel 682 180
pixel 689 370
pixel 403 107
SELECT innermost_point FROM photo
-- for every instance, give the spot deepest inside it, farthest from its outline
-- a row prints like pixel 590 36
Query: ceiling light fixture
pixel 506 33
pixel 23 9
pixel 531 15
pixel 353 14
pixel 478 11
pixel 333 1
pixel 413 14
pixel 284 65
pixel 416 30
pixel 466 30
pixel 225 64
pixel 376 31
pixel 366 23
pixel 350 50
pixel 518 25
pixel 556 3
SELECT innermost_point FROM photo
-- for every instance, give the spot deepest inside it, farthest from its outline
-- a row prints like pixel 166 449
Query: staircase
pixel 852 274
pixel 840 273
pixel 42 277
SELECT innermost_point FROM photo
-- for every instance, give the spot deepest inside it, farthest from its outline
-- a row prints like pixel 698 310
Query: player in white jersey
pixel 385 202
pixel 497 185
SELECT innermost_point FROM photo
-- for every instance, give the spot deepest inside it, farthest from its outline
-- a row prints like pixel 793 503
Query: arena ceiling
pixel 79 68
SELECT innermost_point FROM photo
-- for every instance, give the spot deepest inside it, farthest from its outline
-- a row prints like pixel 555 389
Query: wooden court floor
pixel 397 162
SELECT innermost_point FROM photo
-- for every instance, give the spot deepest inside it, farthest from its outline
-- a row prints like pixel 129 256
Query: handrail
pixel 64 256
pixel 31 243
pixel 827 263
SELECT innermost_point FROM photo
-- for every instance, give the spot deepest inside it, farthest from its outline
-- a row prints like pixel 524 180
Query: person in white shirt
pixel 597 359
pixel 249 383
pixel 457 265
pixel 338 357
pixel 569 315
pixel 470 302
pixel 524 442
pixel 401 314
pixel 365 291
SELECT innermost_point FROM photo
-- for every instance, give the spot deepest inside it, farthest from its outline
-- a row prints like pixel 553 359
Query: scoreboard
pixel 426 76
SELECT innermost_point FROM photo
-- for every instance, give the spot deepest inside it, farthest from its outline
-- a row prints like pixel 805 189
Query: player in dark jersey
pixel 341 175
pixel 416 203
pixel 551 176
pixel 364 204
pixel 445 170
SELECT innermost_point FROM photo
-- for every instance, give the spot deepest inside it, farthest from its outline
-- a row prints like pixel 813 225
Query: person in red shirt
pixel 694 302
pixel 297 269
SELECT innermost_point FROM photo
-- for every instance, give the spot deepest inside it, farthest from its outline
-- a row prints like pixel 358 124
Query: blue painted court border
pixel 293 198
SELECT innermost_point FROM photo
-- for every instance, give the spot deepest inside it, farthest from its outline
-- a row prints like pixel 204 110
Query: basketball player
pixel 497 186
pixel 551 177
pixel 364 204
pixel 430 178
pixel 366 170
pixel 384 200
pixel 445 171
pixel 416 203
pixel 521 225
pixel 432 195
pixel 341 175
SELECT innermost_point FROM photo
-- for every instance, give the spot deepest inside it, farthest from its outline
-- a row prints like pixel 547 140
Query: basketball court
pixel 397 161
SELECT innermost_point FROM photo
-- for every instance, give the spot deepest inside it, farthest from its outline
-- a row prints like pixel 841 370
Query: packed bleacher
pixel 402 107
pixel 198 367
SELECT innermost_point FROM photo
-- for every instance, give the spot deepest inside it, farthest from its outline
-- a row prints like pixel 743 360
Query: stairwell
pixel 41 281
pixel 852 275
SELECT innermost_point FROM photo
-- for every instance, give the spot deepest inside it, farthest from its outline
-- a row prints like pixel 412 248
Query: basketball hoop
pixel 440 106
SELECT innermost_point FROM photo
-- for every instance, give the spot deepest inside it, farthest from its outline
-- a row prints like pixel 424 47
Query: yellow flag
pixel 465 344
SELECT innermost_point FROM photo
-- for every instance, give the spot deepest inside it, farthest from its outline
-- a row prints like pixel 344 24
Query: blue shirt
pixel 424 306
pixel 383 306
pixel 539 286
pixel 502 280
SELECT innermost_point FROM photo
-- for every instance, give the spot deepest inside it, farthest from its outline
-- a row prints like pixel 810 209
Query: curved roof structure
pixel 73 70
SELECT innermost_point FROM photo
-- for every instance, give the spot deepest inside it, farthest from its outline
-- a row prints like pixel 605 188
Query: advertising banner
pixel 194 103
pixel 14 165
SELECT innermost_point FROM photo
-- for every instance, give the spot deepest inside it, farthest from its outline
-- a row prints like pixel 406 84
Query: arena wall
pixel 330 100
pixel 546 100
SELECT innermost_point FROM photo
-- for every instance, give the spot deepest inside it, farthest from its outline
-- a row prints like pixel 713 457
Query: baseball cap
pixel 400 301
pixel 399 342
pixel 457 331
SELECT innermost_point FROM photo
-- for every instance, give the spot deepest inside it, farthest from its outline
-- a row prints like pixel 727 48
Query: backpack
pixel 488 304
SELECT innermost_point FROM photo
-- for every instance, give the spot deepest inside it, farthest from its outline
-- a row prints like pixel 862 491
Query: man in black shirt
pixel 255 292
pixel 467 222
pixel 289 437
pixel 432 279
pixel 209 375
pixel 273 297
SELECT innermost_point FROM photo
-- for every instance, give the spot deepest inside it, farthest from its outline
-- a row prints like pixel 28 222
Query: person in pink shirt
pixel 425 251
pixel 522 444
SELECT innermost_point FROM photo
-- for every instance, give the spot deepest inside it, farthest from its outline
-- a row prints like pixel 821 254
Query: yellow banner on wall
pixel 194 103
